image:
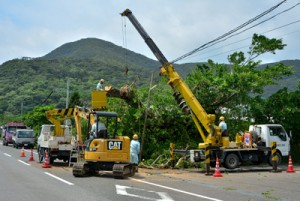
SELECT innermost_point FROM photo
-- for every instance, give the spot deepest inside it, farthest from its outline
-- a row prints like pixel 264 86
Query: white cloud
pixel 34 28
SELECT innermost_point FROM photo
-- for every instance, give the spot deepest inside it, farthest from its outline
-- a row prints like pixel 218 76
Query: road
pixel 23 181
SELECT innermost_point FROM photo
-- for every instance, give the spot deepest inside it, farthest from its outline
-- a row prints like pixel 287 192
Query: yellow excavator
pixel 105 150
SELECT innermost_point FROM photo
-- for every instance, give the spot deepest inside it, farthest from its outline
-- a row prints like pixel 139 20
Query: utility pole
pixel 146 115
pixel 67 98
pixel 67 121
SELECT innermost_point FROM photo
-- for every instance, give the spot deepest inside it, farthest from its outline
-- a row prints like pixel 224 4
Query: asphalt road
pixel 23 181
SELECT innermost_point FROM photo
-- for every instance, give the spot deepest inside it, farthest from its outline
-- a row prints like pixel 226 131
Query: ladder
pixel 73 156
pixel 77 154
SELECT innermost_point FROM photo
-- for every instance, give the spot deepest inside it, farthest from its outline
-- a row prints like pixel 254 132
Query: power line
pixel 285 25
pixel 230 32
pixel 251 26
pixel 232 50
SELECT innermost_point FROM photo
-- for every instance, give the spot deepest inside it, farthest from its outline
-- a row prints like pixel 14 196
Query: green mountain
pixel 29 82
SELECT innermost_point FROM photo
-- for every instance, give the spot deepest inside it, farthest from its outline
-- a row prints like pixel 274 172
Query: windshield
pixel 13 129
pixel 25 134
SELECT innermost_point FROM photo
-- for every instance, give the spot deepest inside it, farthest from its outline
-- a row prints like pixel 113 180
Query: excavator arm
pixel 182 93
pixel 81 113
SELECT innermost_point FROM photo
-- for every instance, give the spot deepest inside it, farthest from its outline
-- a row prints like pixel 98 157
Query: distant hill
pixel 289 82
pixel 28 82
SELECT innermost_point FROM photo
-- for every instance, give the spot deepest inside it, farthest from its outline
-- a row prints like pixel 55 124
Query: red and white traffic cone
pixel 290 166
pixel 46 161
pixel 217 169
pixel 22 153
pixel 31 156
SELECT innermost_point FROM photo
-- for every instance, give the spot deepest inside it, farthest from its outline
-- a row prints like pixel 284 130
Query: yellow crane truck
pixel 106 150
pixel 229 153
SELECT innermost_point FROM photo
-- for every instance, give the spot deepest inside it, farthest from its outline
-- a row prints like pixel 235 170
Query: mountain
pixel 29 82
pixel 290 82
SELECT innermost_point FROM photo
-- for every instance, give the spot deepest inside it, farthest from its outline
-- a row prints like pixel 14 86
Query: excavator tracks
pixel 81 170
pixel 122 171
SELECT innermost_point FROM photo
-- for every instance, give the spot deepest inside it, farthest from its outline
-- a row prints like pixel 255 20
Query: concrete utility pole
pixel 68 89
pixel 146 115
pixel 67 121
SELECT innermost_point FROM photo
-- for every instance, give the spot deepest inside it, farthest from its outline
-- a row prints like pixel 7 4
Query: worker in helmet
pixel 223 126
pixel 100 85
pixel 101 132
pixel 134 150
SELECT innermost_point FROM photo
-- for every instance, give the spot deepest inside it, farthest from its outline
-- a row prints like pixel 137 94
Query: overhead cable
pixel 282 26
pixel 230 32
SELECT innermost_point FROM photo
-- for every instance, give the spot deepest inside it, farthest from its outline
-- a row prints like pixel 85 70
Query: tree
pixel 75 100
pixel 232 86
pixel 283 107
pixel 37 117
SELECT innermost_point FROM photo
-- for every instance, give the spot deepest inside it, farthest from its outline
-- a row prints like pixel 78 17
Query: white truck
pixel 58 147
pixel 56 138
pixel 255 147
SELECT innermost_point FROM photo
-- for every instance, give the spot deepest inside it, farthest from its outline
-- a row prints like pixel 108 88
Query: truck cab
pixel 273 133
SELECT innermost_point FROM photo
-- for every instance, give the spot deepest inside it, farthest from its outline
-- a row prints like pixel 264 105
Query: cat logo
pixel 114 145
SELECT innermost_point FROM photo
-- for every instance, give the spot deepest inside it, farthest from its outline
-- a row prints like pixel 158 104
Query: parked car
pixel 9 130
pixel 23 138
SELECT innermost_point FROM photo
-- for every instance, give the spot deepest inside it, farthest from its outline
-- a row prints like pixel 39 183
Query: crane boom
pixel 180 88
pixel 56 116
pixel 156 51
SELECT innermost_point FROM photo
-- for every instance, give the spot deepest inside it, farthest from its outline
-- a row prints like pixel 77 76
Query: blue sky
pixel 33 28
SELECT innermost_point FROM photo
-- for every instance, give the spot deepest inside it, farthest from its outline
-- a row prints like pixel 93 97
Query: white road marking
pixel 7 154
pixel 177 190
pixel 122 190
pixel 24 162
pixel 58 178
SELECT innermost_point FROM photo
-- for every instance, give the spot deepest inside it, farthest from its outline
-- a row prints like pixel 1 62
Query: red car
pixel 9 130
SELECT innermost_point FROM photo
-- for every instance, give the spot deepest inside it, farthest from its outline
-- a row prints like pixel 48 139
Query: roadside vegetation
pixel 234 91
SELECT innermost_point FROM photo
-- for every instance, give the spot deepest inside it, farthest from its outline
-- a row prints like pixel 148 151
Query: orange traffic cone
pixel 290 167
pixel 217 169
pixel 46 161
pixel 22 152
pixel 31 156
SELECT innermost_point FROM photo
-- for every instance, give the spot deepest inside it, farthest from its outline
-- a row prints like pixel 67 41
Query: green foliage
pixel 283 108
pixel 36 118
pixel 218 86
pixel 75 100
pixel 236 87
pixel 7 117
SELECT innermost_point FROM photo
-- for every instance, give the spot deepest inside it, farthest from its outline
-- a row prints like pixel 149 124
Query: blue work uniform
pixel 223 126
pixel 134 151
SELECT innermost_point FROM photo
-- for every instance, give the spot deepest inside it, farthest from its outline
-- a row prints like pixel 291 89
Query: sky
pixel 33 28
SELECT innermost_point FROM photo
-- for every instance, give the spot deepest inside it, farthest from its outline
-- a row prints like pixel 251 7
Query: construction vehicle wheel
pixel 279 159
pixel 51 160
pixel 231 161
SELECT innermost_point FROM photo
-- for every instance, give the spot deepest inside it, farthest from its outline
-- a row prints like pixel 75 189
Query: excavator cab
pixel 105 125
